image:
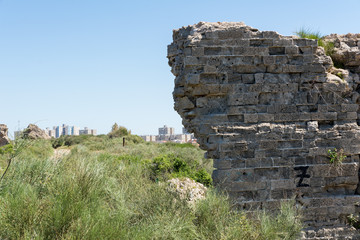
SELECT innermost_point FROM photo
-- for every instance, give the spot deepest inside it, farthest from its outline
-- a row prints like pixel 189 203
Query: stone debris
pixel 34 132
pixel 267 108
pixel 60 153
pixel 4 139
pixel 187 189
pixel 346 51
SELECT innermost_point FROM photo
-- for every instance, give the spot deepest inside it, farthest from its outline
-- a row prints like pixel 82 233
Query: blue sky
pixel 95 62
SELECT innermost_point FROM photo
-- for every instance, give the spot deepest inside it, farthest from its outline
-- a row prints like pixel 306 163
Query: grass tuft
pixel 310 34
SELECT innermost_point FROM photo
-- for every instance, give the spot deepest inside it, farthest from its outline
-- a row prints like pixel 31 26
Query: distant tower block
pixel 166 130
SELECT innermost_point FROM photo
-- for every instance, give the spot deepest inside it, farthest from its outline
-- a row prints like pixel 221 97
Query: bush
pixel 202 176
pixel 119 132
pixel 169 166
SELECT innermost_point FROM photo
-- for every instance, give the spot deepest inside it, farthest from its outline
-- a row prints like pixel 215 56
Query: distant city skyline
pixel 65 129
pixel 60 130
pixel 167 134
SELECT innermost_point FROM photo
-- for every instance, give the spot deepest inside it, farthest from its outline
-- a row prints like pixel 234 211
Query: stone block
pixel 351 115
pixel 248 78
pixel 172 50
pixel 261 42
pixel 269 60
pixel 281 42
pixel 277 50
pixel 198 51
pixel 246 186
pixel 290 68
pixel 251 118
pixel 191 61
pixel 286 117
pixel 282 184
pixel 300 42
pixel 193 79
pixel 276 68
pixel 268 144
pixel 212 50
pixel 290 144
pixel 349 107
pixel 222 164
pixel 306 50
pixel 291 50
pixel 320 116
pixel 264 117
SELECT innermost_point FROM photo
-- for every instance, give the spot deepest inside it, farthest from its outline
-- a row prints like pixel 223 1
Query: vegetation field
pixel 104 190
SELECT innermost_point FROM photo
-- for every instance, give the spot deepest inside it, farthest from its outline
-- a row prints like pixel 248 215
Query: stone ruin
pixel 268 108
pixel 34 132
pixel 4 139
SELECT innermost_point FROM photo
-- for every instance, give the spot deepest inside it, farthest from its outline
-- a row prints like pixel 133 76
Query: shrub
pixel 119 132
pixel 165 167
pixel 202 176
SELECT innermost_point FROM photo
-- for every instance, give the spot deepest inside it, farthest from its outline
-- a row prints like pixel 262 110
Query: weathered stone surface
pixel 346 51
pixel 267 108
pixel 34 132
pixel 187 189
pixel 4 139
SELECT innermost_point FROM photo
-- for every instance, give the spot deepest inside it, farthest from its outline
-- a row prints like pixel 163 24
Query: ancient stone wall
pixel 268 108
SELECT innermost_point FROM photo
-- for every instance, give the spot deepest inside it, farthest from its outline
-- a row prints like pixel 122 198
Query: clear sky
pixel 95 62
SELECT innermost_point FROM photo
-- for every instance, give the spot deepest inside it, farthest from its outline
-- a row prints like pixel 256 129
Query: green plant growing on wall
pixel 309 34
pixel 340 75
pixel 336 157
pixel 354 221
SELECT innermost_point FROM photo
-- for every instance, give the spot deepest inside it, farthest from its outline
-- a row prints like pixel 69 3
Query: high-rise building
pixel 75 131
pixel 87 131
pixel 50 132
pixel 67 130
pixel 58 131
pixel 166 130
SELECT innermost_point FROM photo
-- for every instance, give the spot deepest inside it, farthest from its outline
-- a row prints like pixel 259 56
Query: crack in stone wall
pixel 267 108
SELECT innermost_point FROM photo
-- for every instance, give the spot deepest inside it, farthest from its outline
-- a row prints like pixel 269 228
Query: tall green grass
pixel 109 194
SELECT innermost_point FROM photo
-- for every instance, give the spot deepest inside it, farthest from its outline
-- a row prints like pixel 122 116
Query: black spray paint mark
pixel 302 176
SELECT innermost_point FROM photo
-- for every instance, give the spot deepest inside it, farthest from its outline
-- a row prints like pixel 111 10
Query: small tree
pixel 119 132
pixel 114 127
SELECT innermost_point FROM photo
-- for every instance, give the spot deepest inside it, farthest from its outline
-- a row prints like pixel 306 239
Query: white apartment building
pixel 166 130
